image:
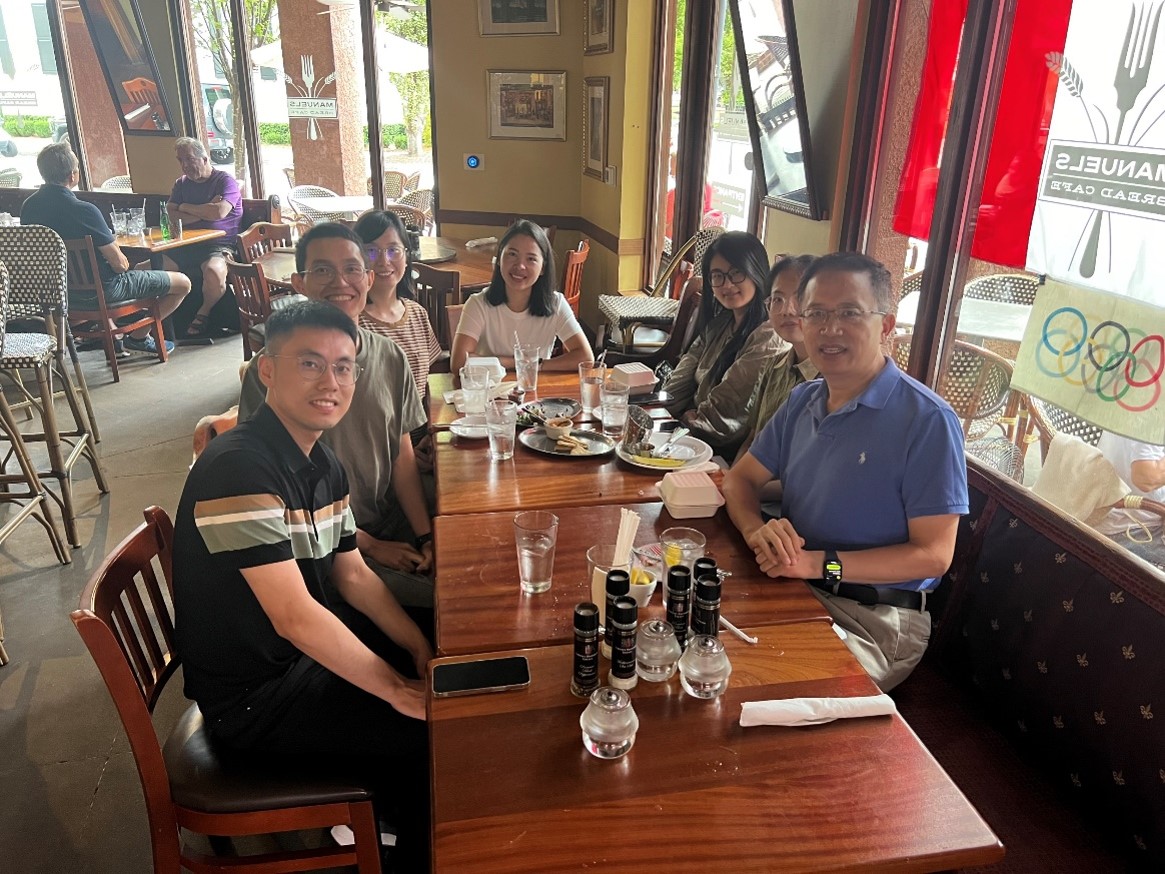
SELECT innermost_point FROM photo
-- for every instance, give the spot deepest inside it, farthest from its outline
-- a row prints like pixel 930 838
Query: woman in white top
pixel 520 301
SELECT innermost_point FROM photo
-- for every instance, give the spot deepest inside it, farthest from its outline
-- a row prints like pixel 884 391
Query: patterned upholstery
pixel 413 181
pixel 422 199
pixel 27 350
pixel 703 238
pixel 1004 287
pixel 35 256
pixel 117 183
pixel 10 178
pixel 913 282
pixel 394 184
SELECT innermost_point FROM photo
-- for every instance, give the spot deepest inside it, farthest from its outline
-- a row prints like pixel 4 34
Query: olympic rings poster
pixel 1100 212
pixel 1098 355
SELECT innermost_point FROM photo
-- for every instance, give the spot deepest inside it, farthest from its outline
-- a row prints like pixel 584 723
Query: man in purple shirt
pixel 204 198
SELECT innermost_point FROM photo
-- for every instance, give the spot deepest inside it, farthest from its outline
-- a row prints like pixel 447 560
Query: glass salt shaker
pixel 609 723
pixel 704 667
pixel 657 651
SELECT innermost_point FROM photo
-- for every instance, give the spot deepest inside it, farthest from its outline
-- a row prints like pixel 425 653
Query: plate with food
pixel 470 427
pixel 683 452
pixel 576 444
pixel 537 412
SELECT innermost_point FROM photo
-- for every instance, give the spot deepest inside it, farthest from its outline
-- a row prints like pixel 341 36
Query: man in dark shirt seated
pixel 291 645
pixel 55 206
pixel 204 198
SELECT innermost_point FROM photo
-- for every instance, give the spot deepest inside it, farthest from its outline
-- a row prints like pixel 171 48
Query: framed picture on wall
pixel 517 17
pixel 527 105
pixel 600 27
pixel 595 128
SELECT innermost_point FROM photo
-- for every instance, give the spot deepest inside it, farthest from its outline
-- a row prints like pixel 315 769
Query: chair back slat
pixel 436 291
pixel 253 297
pixel 260 238
pixel 572 274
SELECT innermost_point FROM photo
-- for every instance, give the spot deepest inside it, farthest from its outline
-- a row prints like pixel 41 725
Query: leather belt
pixel 871 595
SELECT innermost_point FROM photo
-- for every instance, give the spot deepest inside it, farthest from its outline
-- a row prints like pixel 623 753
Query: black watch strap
pixel 422 539
pixel 831 567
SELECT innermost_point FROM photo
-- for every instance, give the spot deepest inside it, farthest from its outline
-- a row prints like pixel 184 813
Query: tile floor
pixel 71 801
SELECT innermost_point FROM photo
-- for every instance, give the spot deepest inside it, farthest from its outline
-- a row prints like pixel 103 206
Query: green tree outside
pixel 413 87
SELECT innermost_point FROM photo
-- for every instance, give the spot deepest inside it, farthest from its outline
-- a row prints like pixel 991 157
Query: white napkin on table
pixel 813 711
pixel 501 390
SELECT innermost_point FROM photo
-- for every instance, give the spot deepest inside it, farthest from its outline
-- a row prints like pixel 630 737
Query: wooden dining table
pixel 480 606
pixel 515 792
pixel 154 248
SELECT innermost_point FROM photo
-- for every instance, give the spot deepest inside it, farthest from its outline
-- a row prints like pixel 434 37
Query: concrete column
pixel 103 140
pixel 336 159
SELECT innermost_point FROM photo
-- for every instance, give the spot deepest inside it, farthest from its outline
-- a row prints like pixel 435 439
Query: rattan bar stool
pixel 35 258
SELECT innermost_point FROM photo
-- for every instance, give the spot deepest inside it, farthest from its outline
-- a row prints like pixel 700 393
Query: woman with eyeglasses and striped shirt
pixel 711 388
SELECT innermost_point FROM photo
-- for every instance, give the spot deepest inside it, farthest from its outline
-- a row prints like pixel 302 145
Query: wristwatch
pixel 831 567
pixel 427 537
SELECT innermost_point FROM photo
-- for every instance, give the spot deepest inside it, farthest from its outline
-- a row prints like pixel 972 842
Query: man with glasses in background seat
pixel 372 441
pixel 872 472
pixel 291 646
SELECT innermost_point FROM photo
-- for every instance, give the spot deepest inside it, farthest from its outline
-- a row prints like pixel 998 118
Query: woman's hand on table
pixel 777 546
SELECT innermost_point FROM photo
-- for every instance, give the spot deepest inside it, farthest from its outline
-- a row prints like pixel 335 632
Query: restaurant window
pixel 215 88
pixel 44 39
pixel 405 125
pixel 1048 290
pixel 5 51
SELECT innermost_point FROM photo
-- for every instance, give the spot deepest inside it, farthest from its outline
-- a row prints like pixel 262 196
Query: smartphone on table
pixel 481 675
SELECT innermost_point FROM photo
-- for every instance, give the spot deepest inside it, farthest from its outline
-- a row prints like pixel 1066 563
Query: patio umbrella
pixel 394 55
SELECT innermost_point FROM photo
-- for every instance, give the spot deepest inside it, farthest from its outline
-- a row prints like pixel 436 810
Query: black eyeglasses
pixel 848 316
pixel 325 273
pixel 717 277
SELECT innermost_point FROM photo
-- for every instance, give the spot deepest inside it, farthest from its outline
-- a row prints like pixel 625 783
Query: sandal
pixel 197 326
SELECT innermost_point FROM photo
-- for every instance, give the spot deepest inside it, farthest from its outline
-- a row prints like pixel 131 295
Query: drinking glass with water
pixel 475 386
pixel 536 535
pixel 613 400
pixel 590 380
pixel 501 421
pixel 527 358
pixel 681 546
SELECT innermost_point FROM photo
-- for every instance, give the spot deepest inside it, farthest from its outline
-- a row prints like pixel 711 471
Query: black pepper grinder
pixel 622 624
pixel 679 601
pixel 618 585
pixel 706 609
pixel 585 677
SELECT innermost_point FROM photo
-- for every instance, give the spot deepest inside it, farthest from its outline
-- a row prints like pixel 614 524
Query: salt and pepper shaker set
pixel 652 652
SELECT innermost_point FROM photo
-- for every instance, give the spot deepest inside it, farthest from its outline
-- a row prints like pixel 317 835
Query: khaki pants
pixel 887 641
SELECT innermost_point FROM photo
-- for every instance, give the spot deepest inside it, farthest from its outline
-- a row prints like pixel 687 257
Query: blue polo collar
pixel 875 396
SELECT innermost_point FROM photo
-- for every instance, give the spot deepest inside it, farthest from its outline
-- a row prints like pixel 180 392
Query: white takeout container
pixel 690 495
pixel 491 362
pixel 638 377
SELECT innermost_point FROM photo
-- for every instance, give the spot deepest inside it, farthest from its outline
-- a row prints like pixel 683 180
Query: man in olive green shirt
pixel 792 367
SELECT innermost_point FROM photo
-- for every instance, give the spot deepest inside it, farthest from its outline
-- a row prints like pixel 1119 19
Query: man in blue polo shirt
pixel 872 472
pixel 55 206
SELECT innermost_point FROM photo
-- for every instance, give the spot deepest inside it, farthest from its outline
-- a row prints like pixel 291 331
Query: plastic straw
pixel 747 638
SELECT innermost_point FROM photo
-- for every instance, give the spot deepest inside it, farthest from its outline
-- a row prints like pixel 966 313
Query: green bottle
pixel 164 221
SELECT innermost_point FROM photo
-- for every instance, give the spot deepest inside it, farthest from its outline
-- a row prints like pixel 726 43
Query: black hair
pixel 307 314
pixel 371 226
pixel 746 253
pixel 797 263
pixel 853 262
pixel 325 231
pixel 542 294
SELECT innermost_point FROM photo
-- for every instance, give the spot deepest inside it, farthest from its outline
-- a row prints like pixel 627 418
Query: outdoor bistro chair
pixel 1017 288
pixel 23 488
pixel 422 200
pixel 314 215
pixel 1049 420
pixel 262 237
pixel 394 185
pixel 102 321
pixel 10 178
pixel 125 619
pixel 117 183
pixel 36 261
pixel 412 182
pixel 411 216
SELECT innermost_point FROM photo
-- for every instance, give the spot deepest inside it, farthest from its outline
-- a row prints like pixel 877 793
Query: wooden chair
pixel 422 200
pixel 22 488
pixel 436 290
pixel 572 274
pixel 98 321
pixel 10 178
pixel 262 237
pixel 394 185
pixel 142 91
pixel 117 183
pixel 253 297
pixel 411 216
pixel 677 340
pixel 125 619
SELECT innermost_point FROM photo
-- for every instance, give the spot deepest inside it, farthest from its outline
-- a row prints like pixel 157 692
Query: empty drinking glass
pixel 600 559
pixel 535 534
pixel 704 667
pixel 120 222
pixel 590 380
pixel 613 406
pixel 527 357
pixel 681 546
pixel 476 382
pixel 501 421
pixel 136 223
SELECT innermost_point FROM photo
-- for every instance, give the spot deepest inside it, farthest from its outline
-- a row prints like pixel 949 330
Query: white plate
pixel 691 450
pixel 469 427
